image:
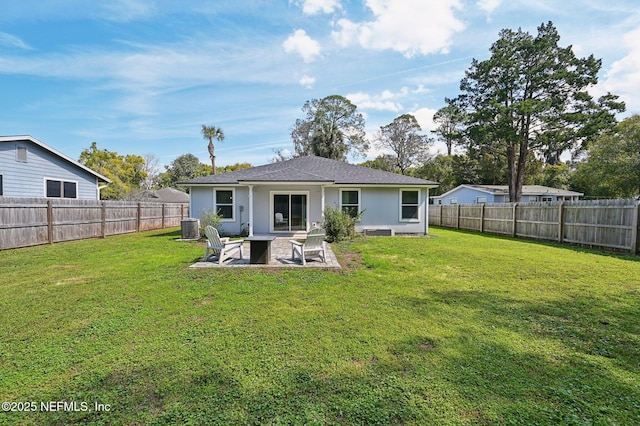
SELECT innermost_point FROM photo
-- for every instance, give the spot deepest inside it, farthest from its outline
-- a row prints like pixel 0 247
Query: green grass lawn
pixel 456 328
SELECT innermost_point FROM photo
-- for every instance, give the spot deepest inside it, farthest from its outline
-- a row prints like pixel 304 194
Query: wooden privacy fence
pixel 33 221
pixel 604 224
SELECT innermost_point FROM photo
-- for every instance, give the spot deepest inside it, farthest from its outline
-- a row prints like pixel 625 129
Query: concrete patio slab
pixel 280 257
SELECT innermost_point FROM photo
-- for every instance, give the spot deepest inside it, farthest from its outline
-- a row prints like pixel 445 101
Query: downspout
pixel 251 210
pixel 101 188
pixel 322 201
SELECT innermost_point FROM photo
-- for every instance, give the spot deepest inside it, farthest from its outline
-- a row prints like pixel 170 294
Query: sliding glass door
pixel 289 212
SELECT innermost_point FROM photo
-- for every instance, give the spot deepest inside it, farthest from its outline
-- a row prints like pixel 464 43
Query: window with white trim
pixel 453 201
pixel 409 205
pixel 481 200
pixel 224 199
pixel 350 201
pixel 61 189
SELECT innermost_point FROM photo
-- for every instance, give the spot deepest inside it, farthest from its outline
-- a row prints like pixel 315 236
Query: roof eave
pixel 44 146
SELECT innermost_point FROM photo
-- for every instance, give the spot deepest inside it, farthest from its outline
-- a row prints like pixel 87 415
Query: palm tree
pixel 211 133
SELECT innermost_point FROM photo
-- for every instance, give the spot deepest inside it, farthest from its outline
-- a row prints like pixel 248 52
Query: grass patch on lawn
pixel 455 328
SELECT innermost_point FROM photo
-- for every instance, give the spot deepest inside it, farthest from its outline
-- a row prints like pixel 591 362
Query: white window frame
pixel 481 199
pixel 62 182
pixel 453 201
pixel 359 198
pixel 547 199
pixel 233 203
pixel 272 210
pixel 400 205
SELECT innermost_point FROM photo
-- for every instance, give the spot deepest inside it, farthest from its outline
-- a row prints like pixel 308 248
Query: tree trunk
pixel 520 172
pixel 212 156
pixel 512 173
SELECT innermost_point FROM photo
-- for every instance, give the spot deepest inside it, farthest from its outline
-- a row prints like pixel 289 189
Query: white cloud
pixel 411 27
pixel 425 118
pixel 315 7
pixel 382 102
pixel 13 41
pixel 307 81
pixel 623 78
pixel 489 5
pixel 300 43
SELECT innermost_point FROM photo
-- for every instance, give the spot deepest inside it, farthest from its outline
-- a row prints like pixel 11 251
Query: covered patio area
pixel 280 257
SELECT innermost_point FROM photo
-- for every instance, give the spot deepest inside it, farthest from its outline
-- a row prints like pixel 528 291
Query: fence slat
pixel 33 221
pixel 606 224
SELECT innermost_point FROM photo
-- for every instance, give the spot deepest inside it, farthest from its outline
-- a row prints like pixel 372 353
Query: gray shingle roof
pixel 310 169
pixel 164 195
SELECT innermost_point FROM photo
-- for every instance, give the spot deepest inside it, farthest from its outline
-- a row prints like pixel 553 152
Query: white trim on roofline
pixel 449 192
pixel 46 147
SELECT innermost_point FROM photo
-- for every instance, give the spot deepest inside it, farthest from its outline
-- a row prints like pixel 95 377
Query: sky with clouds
pixel 142 76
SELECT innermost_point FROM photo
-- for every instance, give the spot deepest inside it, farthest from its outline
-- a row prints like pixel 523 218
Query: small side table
pixel 260 246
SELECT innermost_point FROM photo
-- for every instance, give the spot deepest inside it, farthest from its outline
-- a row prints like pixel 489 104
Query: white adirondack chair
pixel 221 247
pixel 312 246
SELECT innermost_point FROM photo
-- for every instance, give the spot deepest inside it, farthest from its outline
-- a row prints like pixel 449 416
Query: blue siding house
pixel 29 168
pixel 291 197
pixel 477 194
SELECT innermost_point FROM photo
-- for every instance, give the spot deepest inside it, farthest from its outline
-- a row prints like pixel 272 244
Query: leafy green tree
pixel 450 120
pixel 211 133
pixel 402 136
pixel 127 173
pixel 183 168
pixel 531 95
pixel 438 169
pixel 612 168
pixel 384 162
pixel 332 128
pixel 234 167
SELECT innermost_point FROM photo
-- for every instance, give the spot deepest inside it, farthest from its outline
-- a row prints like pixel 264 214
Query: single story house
pixel 29 168
pixel 476 194
pixel 291 196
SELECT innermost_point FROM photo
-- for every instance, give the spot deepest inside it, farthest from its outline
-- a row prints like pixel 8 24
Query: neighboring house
pixel 291 196
pixel 29 168
pixel 164 195
pixel 475 194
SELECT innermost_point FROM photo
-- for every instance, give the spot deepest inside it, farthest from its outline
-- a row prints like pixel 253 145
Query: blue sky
pixel 142 76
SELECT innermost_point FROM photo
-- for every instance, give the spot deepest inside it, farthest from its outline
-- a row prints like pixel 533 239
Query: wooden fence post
pixel 50 221
pixel 163 216
pixel 457 216
pixel 482 218
pixel 138 214
pixel 561 221
pixel 103 225
pixel 635 234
